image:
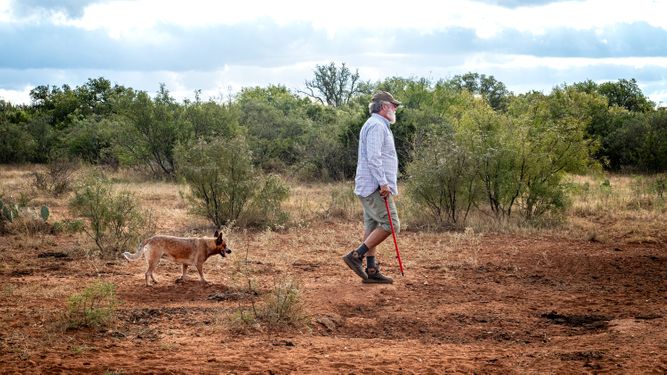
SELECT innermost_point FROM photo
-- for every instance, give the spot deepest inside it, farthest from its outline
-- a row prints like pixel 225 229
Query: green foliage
pixel 102 123
pixel 148 130
pixel 493 91
pixel 206 119
pixel 224 186
pixel 635 141
pixel 277 126
pixel 44 213
pixel 18 216
pixel 283 304
pixel 505 159
pixel 67 226
pixel 90 140
pixel 94 307
pixel 264 208
pixel 554 129
pixel 442 178
pixel 8 212
pixel 630 132
pixel 16 143
pixel 627 94
pixel 333 85
pixel 115 220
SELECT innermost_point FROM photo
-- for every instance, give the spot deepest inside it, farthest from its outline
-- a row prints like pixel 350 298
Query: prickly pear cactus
pixel 7 211
pixel 7 214
pixel 44 213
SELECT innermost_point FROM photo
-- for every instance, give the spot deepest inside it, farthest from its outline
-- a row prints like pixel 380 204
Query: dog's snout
pixel 228 251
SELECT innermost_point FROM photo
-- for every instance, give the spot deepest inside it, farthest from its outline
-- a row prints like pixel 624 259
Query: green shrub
pixel 67 226
pixel 283 305
pixel 442 180
pixel 114 218
pixel 95 307
pixel 19 217
pixel 8 212
pixel 225 187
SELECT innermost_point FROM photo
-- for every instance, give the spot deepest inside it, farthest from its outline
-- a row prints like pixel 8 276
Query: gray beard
pixel 392 118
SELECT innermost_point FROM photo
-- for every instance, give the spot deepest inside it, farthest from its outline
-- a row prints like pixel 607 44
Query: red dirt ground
pixel 500 304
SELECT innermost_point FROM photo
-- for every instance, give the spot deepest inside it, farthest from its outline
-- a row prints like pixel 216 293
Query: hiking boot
pixel 353 260
pixel 375 277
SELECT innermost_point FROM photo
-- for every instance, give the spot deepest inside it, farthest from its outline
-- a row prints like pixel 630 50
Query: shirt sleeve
pixel 374 142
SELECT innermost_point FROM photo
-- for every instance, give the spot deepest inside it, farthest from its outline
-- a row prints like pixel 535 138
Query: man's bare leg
pixel 374 238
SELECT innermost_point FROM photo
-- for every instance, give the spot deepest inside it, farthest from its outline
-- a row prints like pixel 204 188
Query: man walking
pixel 377 170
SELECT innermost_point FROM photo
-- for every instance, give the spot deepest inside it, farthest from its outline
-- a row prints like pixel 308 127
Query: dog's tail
pixel 138 254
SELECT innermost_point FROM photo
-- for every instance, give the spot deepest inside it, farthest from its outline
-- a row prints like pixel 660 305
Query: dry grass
pixel 36 291
pixel 629 209
pixel 321 202
pixel 613 207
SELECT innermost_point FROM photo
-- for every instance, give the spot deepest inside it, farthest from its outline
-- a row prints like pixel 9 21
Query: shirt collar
pixel 384 120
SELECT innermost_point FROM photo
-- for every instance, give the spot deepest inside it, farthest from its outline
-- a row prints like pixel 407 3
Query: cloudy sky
pixel 221 46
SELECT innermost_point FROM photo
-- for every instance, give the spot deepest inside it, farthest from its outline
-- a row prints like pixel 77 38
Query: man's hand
pixel 384 191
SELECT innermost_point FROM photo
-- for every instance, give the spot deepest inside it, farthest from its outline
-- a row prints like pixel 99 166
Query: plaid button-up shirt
pixel 377 162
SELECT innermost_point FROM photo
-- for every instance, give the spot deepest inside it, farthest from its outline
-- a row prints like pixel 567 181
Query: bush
pixel 95 307
pixel 19 217
pixel 16 143
pixel 58 178
pixel 8 212
pixel 114 218
pixel 225 187
pixel 442 180
pixel 508 160
pixel 67 226
pixel 264 209
pixel 282 306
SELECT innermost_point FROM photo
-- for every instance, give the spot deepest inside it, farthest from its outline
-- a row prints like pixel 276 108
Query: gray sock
pixel 361 250
pixel 370 262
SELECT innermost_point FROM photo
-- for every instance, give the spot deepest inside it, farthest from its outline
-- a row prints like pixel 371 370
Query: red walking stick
pixel 393 233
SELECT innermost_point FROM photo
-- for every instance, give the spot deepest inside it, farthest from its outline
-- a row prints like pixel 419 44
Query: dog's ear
pixel 216 234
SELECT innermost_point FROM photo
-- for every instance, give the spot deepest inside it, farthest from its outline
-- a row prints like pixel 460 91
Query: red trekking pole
pixel 393 233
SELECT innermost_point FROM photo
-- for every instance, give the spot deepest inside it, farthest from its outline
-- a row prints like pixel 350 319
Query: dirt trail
pixel 504 304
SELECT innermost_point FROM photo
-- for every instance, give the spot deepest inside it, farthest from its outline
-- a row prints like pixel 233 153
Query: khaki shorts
pixel 375 213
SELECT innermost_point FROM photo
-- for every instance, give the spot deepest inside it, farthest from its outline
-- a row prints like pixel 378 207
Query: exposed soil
pixel 493 304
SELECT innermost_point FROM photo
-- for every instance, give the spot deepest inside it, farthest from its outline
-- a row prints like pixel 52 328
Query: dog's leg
pixel 182 278
pixel 200 269
pixel 149 272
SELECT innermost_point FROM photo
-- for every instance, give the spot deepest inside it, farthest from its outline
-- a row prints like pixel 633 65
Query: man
pixel 377 169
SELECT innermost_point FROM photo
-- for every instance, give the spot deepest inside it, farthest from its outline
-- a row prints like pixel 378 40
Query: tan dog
pixel 187 251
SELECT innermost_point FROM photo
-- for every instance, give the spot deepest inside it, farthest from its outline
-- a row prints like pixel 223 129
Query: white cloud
pixel 483 61
pixel 21 96
pixel 365 35
pixel 5 11
pixel 142 18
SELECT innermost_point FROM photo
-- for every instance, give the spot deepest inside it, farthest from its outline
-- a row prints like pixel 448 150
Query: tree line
pixel 463 142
